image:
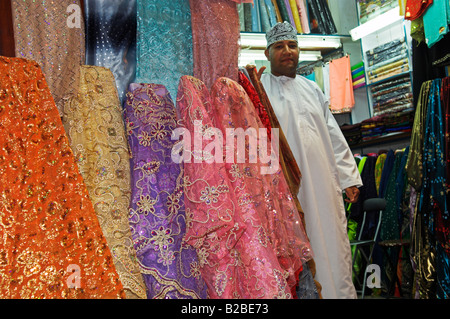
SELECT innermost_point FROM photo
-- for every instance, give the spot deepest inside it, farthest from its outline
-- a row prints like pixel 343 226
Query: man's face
pixel 283 57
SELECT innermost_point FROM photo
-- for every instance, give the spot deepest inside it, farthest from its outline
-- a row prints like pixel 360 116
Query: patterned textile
pixel 157 214
pixel 281 31
pixel 48 225
pixel 42 33
pixel 229 220
pixel 111 39
pixel 416 8
pixel 215 40
pixel 164 42
pixel 94 124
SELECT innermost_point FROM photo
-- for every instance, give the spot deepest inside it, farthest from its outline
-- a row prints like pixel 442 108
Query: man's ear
pixel 266 53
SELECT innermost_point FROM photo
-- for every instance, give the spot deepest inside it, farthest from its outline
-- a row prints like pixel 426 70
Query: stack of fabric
pixel 392 96
pixel 352 133
pixel 387 60
pixel 380 125
pixel 369 9
pixel 358 75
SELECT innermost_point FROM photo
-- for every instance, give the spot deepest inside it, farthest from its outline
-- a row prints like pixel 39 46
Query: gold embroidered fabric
pixel 46 33
pixel 93 121
pixel 51 243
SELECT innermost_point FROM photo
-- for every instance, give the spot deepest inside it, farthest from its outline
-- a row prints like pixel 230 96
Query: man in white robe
pixel 326 162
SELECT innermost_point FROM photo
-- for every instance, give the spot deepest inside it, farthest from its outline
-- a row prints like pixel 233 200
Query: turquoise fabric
pixel 435 21
pixel 164 42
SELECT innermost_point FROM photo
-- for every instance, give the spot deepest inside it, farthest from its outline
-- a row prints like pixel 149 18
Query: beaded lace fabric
pixel 164 42
pixel 48 225
pixel 42 34
pixel 215 36
pixel 111 39
pixel 157 214
pixel 243 251
pixel 94 124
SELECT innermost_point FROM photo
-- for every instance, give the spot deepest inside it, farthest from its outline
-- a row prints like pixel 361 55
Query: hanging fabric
pixel 341 87
pixel 111 39
pixel 164 42
pixel 215 36
pixel 170 267
pixel 52 244
pixel 43 34
pixel 94 125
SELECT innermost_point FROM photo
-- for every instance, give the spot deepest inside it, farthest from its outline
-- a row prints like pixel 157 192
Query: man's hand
pixel 352 194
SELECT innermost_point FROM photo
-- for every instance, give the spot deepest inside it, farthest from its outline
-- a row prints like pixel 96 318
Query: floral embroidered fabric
pixel 164 42
pixel 246 248
pixel 94 124
pixel 48 225
pixel 157 214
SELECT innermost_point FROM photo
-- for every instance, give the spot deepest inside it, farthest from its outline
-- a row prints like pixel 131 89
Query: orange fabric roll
pixel 51 243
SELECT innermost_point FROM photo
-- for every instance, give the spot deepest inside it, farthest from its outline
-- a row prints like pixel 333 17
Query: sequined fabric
pixel 48 226
pixel 94 124
pixel 215 37
pixel 47 32
pixel 272 203
pixel 164 42
pixel 111 39
pixel 157 213
pixel 234 240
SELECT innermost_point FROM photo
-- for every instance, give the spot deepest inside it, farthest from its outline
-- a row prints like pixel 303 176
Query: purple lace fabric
pixel 157 214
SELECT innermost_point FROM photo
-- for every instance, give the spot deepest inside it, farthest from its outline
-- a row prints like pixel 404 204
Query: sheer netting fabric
pixel 260 180
pixel 51 32
pixel 169 265
pixel 95 127
pixel 164 42
pixel 51 242
pixel 237 253
pixel 215 40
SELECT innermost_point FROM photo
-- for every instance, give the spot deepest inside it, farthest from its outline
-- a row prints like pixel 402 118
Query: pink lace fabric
pixel 263 197
pixel 242 247
pixel 215 36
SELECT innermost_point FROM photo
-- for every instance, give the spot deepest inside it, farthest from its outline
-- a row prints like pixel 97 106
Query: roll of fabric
pixel 215 36
pixel 94 125
pixel 283 10
pixel 218 226
pixel 157 214
pixel 52 244
pixel 302 11
pixel 271 11
pixel 265 22
pixel 289 12
pixel 296 16
pixel 111 39
pixel 256 17
pixel 248 17
pixel 164 42
pixel 42 34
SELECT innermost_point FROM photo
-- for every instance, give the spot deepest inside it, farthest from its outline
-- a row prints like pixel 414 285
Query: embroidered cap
pixel 281 31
